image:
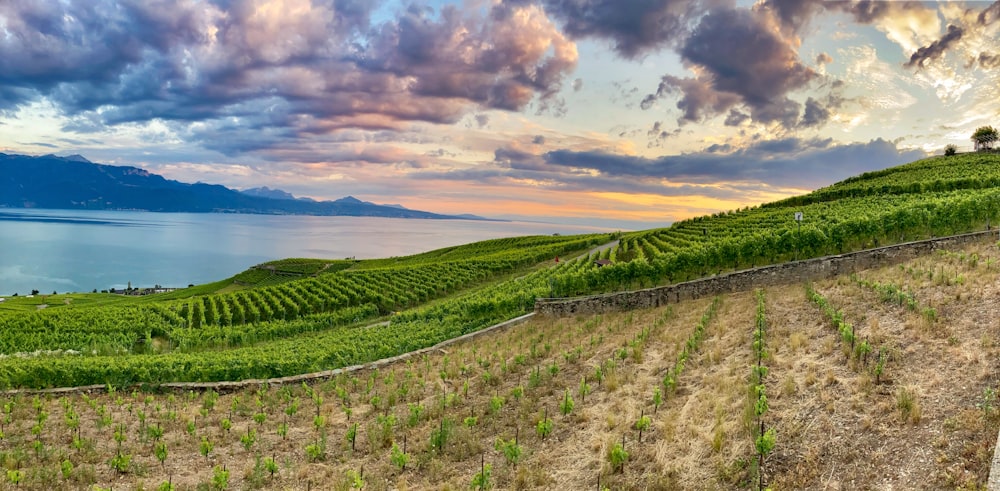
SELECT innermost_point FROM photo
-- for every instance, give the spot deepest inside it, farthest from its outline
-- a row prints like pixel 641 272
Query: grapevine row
pixel 764 438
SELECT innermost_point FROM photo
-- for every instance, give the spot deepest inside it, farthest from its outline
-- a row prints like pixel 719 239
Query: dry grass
pixel 919 426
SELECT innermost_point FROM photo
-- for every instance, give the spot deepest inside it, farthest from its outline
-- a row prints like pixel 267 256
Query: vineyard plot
pixel 198 333
pixel 920 425
pixel 887 378
pixel 928 422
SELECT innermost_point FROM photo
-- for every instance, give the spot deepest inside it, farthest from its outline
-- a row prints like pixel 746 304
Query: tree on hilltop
pixel 985 137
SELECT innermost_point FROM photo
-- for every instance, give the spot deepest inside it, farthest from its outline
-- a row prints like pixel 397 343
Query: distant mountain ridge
pixel 266 192
pixel 74 182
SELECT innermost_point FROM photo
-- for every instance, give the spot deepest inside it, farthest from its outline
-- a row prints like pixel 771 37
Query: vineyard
pixel 886 378
pixel 929 198
pixel 311 324
pixel 302 315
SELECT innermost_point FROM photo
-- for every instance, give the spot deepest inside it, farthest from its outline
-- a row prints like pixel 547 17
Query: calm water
pixel 76 251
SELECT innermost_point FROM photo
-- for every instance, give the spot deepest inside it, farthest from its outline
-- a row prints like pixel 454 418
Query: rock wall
pixel 226 387
pixel 778 274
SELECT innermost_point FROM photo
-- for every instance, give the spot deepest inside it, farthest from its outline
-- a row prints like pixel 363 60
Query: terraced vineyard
pixel 310 324
pixel 933 197
pixel 844 383
pixel 319 310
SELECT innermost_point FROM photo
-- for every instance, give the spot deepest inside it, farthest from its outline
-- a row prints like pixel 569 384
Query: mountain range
pixel 73 182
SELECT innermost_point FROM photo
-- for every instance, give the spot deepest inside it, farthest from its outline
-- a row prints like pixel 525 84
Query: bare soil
pixel 927 422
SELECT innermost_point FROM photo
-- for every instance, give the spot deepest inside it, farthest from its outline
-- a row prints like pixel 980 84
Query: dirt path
pixel 600 248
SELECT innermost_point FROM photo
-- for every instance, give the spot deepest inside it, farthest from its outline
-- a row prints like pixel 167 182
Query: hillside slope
pixel 233 335
pixel 918 411
pixel 932 197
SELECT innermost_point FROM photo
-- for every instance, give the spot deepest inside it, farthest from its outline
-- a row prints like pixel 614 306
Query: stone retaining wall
pixel 778 274
pixel 224 387
pixel 785 273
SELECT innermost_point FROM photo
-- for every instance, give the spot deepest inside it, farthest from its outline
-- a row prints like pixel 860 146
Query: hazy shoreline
pixel 79 250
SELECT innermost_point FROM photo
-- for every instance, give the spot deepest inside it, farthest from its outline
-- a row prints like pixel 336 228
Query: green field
pixel 303 315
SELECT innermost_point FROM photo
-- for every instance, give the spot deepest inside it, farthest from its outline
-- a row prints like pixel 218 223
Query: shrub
pixel 399 457
pixel 481 480
pixel 643 424
pixel 160 451
pixel 220 478
pixel 440 436
pixel 544 427
pixel 120 462
pixel 510 449
pixel 566 406
pixel 618 456
pixel 908 405
pixel 314 452
pixel 271 466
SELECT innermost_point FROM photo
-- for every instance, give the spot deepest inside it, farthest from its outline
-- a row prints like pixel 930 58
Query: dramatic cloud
pixel 512 166
pixel 306 66
pixel 786 162
pixel 815 113
pixel 742 61
pixel 987 60
pixel 699 98
pixel 635 27
pixel 736 118
pixel 989 14
pixel 869 11
pixel 935 49
pixel 501 63
pixel 513 158
pixel 675 186
pixel 657 135
pixel 755 99
pixel 954 34
pixel 796 14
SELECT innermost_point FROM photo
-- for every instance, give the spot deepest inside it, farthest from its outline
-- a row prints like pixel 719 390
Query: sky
pixel 621 113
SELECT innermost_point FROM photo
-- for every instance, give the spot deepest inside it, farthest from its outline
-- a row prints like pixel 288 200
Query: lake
pixel 78 251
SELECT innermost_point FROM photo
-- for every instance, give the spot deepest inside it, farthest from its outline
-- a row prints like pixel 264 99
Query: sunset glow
pixel 633 114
